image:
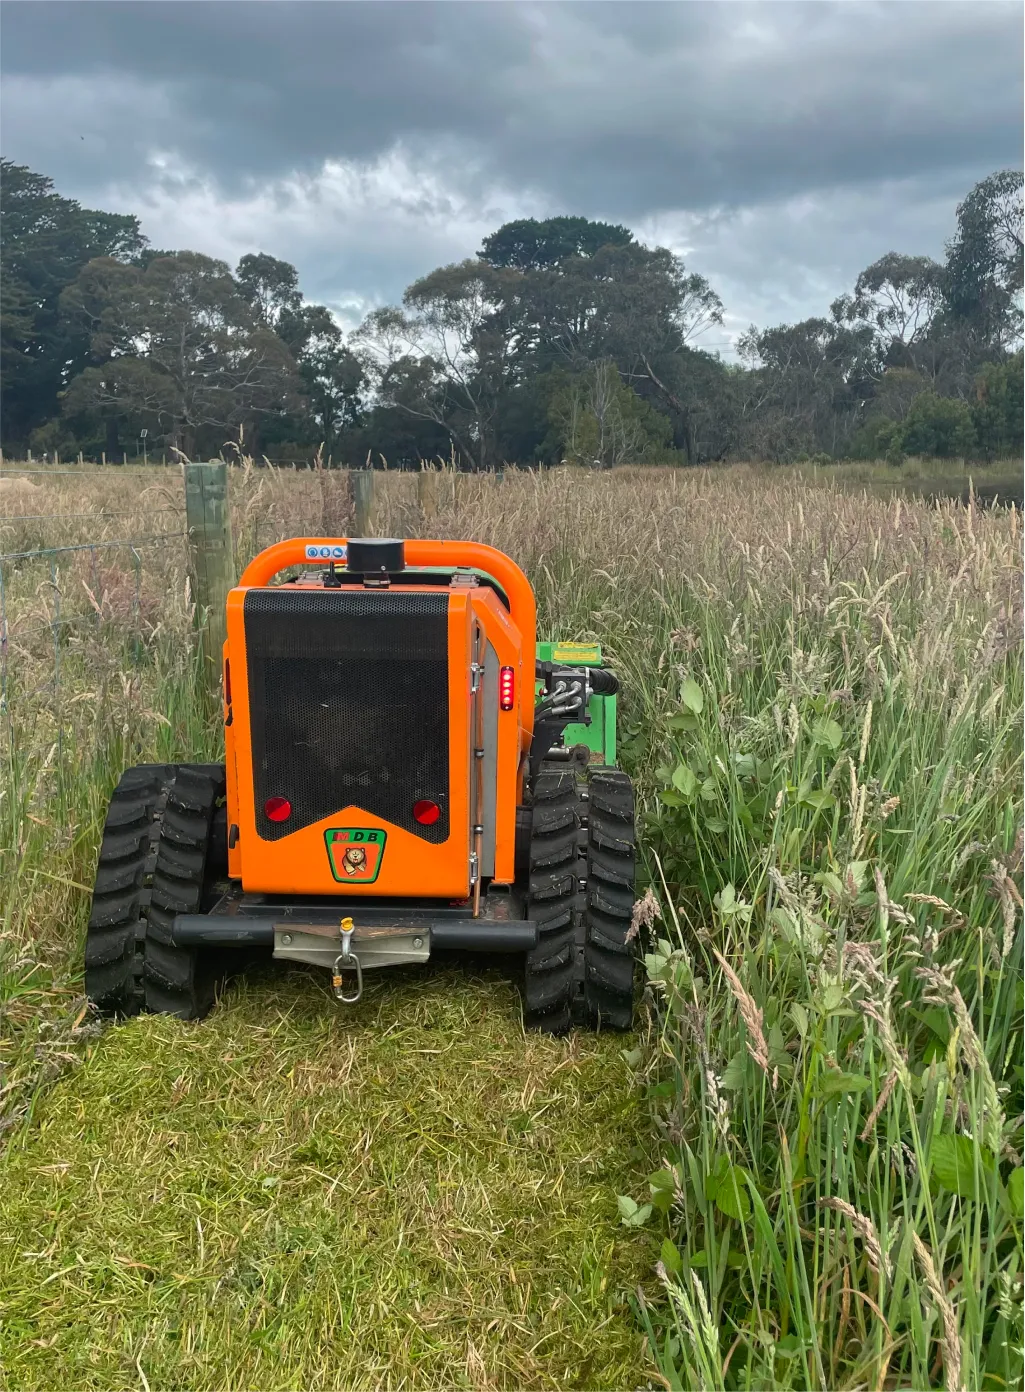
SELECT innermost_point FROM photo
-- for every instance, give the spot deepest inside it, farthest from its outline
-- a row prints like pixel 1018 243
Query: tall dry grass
pixel 823 711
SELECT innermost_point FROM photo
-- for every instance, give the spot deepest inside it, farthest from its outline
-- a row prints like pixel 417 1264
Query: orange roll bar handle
pixel 473 555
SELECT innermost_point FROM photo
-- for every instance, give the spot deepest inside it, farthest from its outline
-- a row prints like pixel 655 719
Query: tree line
pixel 563 339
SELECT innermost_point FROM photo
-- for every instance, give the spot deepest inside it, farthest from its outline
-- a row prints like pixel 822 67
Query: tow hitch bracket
pixel 346 961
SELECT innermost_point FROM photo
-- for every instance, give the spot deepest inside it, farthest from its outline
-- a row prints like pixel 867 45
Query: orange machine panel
pixel 352 851
pixel 512 739
pixel 231 775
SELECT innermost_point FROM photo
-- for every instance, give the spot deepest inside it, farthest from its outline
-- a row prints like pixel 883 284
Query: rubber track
pixel 115 937
pixel 611 858
pixel 179 980
pixel 557 869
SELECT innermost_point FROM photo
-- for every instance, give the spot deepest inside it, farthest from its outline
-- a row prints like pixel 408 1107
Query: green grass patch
pixel 409 1192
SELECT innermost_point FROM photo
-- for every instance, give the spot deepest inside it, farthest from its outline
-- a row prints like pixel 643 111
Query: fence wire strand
pixel 56 619
pixel 89 546
pixel 77 516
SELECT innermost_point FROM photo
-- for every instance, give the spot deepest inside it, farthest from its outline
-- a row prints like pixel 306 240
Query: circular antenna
pixel 370 556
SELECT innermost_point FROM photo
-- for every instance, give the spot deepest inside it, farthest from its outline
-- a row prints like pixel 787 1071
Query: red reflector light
pixel 278 809
pixel 506 688
pixel 426 812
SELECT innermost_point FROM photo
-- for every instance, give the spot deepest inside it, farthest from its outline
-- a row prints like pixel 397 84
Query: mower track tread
pixel 556 870
pixel 154 861
pixel 180 980
pixel 610 869
pixel 611 863
pixel 581 895
pixel 116 931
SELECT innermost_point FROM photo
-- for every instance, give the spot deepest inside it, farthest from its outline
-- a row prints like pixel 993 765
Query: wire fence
pixel 76 516
pixel 99 659
pixel 8 469
pixel 103 586
pixel 86 546
pixel 311 463
pixel 85 591
pixel 105 579
pixel 149 460
pixel 87 466
pixel 79 622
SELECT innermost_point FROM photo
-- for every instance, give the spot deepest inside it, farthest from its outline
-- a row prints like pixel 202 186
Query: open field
pixel 997 482
pixel 819 1131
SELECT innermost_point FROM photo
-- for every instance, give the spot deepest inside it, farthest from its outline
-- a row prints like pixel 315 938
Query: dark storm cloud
pixel 743 118
pixel 635 107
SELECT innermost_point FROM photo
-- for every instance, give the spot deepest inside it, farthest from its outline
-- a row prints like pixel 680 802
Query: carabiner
pixel 346 961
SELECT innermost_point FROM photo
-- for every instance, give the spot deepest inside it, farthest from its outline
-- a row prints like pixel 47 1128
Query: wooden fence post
pixel 363 500
pixel 208 519
pixel 334 502
pixel 427 493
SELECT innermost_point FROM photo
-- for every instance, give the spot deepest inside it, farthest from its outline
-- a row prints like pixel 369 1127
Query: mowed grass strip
pixel 406 1193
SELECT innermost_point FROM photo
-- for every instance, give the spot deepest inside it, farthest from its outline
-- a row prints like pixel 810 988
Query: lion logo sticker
pixel 355 853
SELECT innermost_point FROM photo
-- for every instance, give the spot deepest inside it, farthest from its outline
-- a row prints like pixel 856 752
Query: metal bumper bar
pixel 448 934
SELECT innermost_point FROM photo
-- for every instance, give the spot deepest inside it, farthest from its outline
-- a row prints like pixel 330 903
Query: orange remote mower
pixel 406 770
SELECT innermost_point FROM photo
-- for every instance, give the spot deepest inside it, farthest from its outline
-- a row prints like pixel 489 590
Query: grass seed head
pixel 750 1013
pixel 949 1337
pixel 865 1229
pixel 880 1103
pixel 941 990
pixel 1006 891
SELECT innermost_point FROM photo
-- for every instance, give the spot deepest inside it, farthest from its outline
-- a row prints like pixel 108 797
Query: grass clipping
pixel 409 1193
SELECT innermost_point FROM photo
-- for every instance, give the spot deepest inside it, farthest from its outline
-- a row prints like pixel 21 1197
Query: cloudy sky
pixel 779 147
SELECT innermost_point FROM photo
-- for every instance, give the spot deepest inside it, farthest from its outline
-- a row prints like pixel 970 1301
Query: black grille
pixel 348 698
